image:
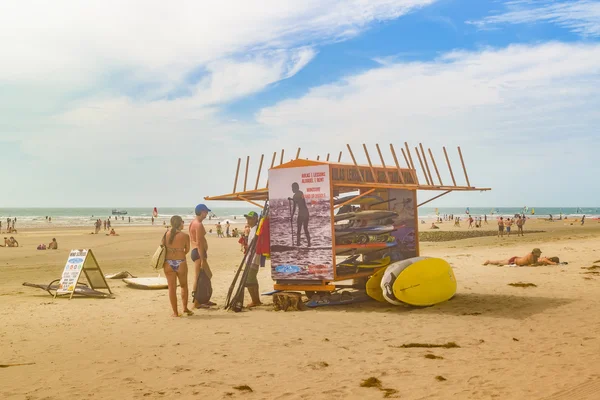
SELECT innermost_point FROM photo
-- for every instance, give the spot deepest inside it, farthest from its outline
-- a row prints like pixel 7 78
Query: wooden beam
pixel 246 177
pixel 422 167
pixel 463 165
pixel 354 198
pixel 426 163
pixel 250 201
pixel 397 163
pixel 410 162
pixel 262 156
pixel 340 157
pixel 327 159
pixel 437 172
pixel 387 176
pixel 298 153
pixel 354 161
pixel 406 159
pixel 370 164
pixel 433 198
pixel 237 172
pixel 318 157
pixel 281 159
pixel 449 166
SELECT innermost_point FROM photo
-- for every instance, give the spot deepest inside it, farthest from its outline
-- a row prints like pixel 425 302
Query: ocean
pixel 36 217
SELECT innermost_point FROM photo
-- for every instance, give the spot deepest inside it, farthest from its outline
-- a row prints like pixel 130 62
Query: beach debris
pixel 597 261
pixel 471 313
pixel 592 267
pixel 243 388
pixel 371 382
pixel 592 272
pixel 318 365
pixel 433 357
pixel 515 339
pixel 522 284
pixel 440 378
pixel 388 393
pixel 587 278
pixel 15 365
pixel 449 345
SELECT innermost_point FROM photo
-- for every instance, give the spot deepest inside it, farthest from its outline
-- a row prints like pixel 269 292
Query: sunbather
pixel 53 245
pixel 532 258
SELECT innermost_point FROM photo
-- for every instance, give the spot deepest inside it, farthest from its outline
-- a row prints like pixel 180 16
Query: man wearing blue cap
pixel 199 247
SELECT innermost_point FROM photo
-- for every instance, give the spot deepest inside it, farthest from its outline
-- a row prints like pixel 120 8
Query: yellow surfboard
pixel 425 283
pixel 374 286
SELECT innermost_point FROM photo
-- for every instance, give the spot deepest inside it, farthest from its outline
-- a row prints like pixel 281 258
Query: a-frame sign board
pixel 81 260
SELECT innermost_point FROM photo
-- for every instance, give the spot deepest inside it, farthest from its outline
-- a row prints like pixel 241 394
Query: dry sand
pixel 515 343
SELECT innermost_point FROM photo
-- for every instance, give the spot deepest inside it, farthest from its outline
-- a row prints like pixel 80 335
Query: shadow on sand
pixel 468 304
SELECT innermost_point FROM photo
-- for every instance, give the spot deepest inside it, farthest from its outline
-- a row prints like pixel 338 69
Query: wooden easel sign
pixel 78 261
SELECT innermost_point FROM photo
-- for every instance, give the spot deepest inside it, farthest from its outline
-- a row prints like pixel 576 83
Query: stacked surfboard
pixel 418 281
pixel 363 232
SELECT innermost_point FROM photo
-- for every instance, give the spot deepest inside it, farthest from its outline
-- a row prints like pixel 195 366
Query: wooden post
pixel 237 172
pixel 422 167
pixel 340 157
pixel 463 165
pixel 387 176
pixel 246 177
pixel 262 156
pixel 426 163
pixel 327 157
pixel 281 159
pixel 272 165
pixel 435 166
pixel 354 161
pixel 397 163
pixel 298 153
pixel 370 165
pixel 449 166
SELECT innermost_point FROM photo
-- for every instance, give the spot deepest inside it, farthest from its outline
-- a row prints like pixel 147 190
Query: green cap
pixel 251 214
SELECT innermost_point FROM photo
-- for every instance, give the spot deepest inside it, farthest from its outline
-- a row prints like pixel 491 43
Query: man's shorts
pixel 252 279
pixel 196 255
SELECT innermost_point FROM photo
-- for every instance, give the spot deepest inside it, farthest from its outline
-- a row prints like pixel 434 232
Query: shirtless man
pixel 53 245
pixel 302 220
pixel 501 227
pixel 199 245
pixel 532 258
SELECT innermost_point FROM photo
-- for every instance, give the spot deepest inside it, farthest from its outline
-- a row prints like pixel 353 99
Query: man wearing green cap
pixel 252 280
pixel 532 258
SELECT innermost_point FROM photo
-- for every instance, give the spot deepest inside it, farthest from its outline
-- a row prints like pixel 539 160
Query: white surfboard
pixel 147 283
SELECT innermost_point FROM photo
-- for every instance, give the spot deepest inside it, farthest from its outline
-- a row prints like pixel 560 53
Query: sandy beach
pixel 514 343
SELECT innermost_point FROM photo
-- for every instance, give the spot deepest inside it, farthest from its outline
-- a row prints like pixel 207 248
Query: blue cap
pixel 200 208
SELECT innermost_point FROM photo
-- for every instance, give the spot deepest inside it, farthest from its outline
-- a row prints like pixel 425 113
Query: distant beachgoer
pixel 508 225
pixel 532 258
pixel 470 222
pixel 582 220
pixel 152 220
pixel 219 230
pixel 97 226
pixel 227 226
pixel 53 245
pixel 112 233
pixel 434 226
pixel 177 244
pixel 6 242
pixel 129 218
pixel 12 242
pixel 303 215
pixel 49 219
pixel 520 222
pixel 200 249
pixel 485 219
pixel 252 281
pixel 104 223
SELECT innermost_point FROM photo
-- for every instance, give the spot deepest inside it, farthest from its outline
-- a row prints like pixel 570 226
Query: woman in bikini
pixel 178 245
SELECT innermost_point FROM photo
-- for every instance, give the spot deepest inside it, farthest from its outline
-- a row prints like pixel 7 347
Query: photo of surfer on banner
pixel 300 222
pixel 299 202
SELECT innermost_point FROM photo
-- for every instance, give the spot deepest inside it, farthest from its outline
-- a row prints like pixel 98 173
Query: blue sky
pixel 115 102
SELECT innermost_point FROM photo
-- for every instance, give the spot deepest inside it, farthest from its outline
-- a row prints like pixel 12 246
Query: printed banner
pixel 72 270
pixel 300 222
pixel 406 232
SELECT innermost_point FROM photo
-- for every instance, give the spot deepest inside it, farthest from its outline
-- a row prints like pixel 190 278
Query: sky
pixel 147 103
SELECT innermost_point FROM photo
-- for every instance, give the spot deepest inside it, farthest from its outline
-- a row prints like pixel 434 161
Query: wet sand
pixel 515 343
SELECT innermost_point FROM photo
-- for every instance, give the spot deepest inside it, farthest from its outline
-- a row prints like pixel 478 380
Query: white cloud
pixel 521 113
pixel 582 17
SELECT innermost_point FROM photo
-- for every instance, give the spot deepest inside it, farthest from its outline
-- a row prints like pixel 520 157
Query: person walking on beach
pixel 227 226
pixel 177 245
pixel 200 249
pixel 501 227
pixel 508 225
pixel 152 220
pixel 104 223
pixel 582 220
pixel 303 216
pixel 470 222
pixel 485 219
pixel 252 280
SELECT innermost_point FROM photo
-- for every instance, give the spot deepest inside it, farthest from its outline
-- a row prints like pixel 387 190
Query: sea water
pixel 36 217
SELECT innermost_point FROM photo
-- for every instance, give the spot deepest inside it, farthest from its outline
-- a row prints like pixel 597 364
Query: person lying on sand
pixel 434 226
pixel 532 258
pixel 12 242
pixel 112 233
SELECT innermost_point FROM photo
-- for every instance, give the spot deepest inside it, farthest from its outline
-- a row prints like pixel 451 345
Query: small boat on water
pixel 119 212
